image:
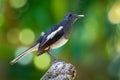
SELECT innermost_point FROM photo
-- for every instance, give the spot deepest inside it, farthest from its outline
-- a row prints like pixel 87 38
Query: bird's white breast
pixel 59 43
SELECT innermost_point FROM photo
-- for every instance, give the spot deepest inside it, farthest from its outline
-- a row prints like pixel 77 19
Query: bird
pixel 55 37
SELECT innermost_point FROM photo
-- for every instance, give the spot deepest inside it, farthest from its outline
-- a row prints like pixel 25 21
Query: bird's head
pixel 72 17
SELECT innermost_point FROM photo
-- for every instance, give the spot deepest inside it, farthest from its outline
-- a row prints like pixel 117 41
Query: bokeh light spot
pixel 26 36
pixel 114 13
pixel 42 62
pixel 25 60
pixel 17 3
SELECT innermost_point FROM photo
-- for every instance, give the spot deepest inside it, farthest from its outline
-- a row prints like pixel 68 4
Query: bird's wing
pixel 53 33
pixel 51 37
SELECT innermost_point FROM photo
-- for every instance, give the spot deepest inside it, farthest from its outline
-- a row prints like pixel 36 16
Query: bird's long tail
pixel 33 48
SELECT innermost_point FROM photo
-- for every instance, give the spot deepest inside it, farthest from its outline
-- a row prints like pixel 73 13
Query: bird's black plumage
pixel 42 40
pixel 55 37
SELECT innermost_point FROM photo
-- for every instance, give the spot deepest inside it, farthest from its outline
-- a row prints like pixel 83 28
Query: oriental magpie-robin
pixel 55 37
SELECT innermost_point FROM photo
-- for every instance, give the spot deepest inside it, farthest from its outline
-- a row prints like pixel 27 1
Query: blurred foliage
pixel 94 46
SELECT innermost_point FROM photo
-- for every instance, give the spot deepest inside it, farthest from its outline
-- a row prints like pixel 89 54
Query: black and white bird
pixel 55 37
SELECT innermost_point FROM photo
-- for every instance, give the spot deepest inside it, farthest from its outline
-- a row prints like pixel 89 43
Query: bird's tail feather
pixel 33 48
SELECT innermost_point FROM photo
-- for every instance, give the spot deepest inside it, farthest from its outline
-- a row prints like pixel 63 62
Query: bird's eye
pixel 70 15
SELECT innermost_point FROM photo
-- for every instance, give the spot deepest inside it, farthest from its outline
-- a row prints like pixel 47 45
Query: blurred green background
pixel 94 46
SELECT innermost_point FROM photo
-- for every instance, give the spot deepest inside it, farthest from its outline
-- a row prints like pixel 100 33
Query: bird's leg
pixel 53 57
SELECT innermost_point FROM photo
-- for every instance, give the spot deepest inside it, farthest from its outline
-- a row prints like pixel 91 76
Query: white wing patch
pixel 50 36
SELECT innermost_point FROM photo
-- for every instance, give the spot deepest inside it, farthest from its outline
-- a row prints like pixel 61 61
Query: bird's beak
pixel 79 16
